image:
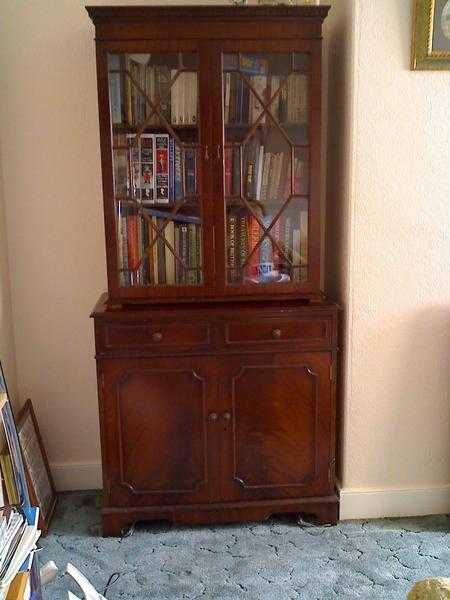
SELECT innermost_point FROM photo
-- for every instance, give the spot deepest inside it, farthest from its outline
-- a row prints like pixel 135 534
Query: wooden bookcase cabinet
pixel 215 349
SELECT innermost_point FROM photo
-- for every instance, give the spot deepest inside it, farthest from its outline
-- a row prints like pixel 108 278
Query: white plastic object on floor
pixel 90 593
pixel 48 572
pixel 73 597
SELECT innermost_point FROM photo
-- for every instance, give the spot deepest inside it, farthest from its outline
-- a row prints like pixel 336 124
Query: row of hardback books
pixel 267 175
pixel 242 97
pixel 155 170
pixel 145 263
pixel 133 77
pixel 266 263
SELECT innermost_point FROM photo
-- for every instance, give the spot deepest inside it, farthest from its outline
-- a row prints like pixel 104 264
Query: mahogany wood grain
pixel 181 427
pixel 210 32
pixel 214 408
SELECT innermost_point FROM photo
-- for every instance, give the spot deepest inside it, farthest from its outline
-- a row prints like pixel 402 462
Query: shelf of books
pixel 155 142
pixel 266 164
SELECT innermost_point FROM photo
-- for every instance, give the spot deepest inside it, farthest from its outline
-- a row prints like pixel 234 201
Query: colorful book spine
pixel 242 240
pixel 172 170
pixel 162 168
pixel 254 234
pixel 178 173
pixel 132 246
pixel 232 247
pixel 190 171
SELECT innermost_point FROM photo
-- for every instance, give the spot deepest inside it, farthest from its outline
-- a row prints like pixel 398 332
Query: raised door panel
pixel 155 414
pixel 279 437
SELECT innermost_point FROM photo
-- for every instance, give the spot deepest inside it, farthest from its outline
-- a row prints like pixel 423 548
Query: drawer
pixel 308 331
pixel 154 335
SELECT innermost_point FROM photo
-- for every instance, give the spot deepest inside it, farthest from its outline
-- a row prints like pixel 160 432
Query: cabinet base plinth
pixel 323 510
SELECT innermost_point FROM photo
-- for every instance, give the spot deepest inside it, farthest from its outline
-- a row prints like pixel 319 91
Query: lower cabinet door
pixel 278 434
pixel 154 416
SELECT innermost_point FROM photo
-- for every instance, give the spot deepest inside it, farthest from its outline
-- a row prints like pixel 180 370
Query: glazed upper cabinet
pixel 210 138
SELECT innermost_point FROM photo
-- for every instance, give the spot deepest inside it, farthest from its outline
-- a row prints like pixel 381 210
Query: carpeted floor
pixel 276 560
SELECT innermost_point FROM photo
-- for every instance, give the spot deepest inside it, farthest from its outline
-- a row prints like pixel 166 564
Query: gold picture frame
pixel 431 35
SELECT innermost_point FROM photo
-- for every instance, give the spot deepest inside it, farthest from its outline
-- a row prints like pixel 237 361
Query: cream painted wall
pixel 398 402
pixel 388 189
pixel 7 347
pixel 52 191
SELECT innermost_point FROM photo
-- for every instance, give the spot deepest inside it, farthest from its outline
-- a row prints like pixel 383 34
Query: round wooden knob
pixel 226 416
pixel 157 336
pixel 213 417
pixel 276 333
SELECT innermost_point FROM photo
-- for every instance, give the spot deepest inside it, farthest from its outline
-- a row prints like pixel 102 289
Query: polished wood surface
pixel 217 30
pixel 212 427
pixel 216 402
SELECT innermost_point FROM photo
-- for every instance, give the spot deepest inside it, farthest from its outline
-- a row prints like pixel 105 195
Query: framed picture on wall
pixel 431 35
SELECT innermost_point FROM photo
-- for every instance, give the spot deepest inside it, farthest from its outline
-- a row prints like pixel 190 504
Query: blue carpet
pixel 276 560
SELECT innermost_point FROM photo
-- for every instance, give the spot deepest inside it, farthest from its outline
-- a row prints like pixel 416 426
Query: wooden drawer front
pixel 155 335
pixel 308 331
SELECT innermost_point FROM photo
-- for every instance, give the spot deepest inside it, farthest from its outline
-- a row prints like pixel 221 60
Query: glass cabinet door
pixel 266 118
pixel 154 112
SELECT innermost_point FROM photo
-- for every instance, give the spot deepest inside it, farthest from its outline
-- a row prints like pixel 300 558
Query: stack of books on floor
pixel 19 533
pixel 18 537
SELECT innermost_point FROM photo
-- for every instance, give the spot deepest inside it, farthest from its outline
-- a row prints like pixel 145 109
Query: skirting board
pixel 355 503
pixel 373 504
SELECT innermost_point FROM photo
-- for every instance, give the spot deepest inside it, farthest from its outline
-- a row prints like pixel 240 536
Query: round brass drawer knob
pixel 276 334
pixel 157 336
pixel 226 416
pixel 212 418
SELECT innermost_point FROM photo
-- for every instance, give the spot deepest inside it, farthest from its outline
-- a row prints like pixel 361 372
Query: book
pixel 192 250
pixel 162 168
pixel 161 252
pixel 16 590
pixel 141 151
pixel 184 252
pixel 242 233
pixel 232 246
pixel 228 171
pixel 132 245
pixel 115 88
pixel 176 96
pixel 236 177
pixel 169 234
pixel 162 90
pixel 254 234
pixel 190 171
pixel 171 170
pixel 199 254
pixel 178 173
pixel 15 453
pixel 8 478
